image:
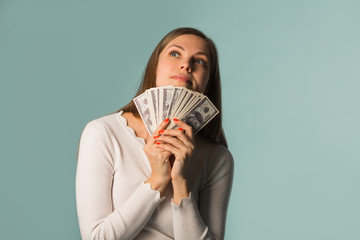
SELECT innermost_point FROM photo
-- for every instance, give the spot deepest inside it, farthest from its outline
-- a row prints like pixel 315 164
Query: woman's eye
pixel 174 54
pixel 200 61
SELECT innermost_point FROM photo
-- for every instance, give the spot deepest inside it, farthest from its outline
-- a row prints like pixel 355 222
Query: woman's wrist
pixel 180 189
pixel 157 184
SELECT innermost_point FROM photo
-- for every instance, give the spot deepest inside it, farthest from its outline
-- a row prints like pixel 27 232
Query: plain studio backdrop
pixel 291 104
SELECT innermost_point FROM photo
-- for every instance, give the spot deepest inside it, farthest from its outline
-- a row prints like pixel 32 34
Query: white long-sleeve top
pixel 113 202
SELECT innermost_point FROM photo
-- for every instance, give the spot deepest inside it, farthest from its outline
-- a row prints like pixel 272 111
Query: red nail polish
pixel 156 137
pixel 161 131
pixel 158 143
pixel 175 119
pixel 166 120
pixel 181 129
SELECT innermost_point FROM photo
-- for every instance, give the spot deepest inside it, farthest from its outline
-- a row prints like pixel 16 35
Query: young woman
pixel 171 185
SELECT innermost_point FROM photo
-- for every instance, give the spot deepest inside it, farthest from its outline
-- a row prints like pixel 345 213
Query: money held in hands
pixel 157 104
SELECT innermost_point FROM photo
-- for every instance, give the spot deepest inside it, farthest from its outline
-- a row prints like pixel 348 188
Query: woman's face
pixel 184 62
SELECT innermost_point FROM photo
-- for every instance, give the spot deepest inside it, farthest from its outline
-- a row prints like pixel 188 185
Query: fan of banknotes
pixel 157 104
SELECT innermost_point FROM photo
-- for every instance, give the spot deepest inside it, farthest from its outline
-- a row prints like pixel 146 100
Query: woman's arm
pixel 94 177
pixel 206 218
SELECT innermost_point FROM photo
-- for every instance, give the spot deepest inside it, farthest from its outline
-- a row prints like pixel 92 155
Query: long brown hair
pixel 213 129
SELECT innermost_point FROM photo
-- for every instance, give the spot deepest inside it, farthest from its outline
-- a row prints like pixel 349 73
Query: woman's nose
pixel 186 65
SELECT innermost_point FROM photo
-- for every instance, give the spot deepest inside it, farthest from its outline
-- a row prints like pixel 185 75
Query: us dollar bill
pixel 174 101
pixel 167 94
pixel 142 105
pixel 191 107
pixel 198 116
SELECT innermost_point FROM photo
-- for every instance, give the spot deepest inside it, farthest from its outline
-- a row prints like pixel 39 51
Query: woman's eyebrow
pixel 178 46
pixel 198 53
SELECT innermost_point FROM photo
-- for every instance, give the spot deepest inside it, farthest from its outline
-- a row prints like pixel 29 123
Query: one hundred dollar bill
pixel 189 106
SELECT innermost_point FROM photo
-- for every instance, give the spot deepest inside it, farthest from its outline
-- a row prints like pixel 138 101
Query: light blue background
pixel 290 72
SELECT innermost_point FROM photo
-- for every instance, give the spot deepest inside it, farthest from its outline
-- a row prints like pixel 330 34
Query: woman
pixel 172 185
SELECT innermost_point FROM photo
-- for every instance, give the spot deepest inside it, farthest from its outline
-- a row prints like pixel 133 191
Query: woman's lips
pixel 181 78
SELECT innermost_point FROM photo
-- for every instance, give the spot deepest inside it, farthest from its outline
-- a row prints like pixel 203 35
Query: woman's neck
pixel 137 125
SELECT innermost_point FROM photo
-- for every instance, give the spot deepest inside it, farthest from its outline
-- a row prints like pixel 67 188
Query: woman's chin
pixel 183 85
pixel 177 84
pixel 187 85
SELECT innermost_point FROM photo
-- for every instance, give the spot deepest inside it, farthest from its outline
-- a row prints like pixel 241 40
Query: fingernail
pixel 166 120
pixel 158 143
pixel 161 131
pixel 175 119
pixel 181 129
pixel 156 137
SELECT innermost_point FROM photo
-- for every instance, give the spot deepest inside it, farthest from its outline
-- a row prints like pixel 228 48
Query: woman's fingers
pixel 175 137
pixel 184 133
pixel 187 128
pixel 177 141
pixel 162 139
pixel 161 126
pixel 179 153
pixel 181 144
pixel 151 149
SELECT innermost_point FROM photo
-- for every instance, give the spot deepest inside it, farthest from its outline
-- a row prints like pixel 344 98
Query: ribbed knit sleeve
pixel 206 218
pixel 94 178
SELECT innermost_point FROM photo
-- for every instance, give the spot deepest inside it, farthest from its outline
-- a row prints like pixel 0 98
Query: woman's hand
pixel 180 143
pixel 159 161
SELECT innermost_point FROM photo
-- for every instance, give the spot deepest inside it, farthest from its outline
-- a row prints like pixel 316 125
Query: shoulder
pixel 210 147
pixel 107 121
pixel 108 124
pixel 102 130
pixel 216 155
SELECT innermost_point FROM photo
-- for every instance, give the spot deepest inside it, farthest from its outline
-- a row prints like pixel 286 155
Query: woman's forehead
pixel 189 42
